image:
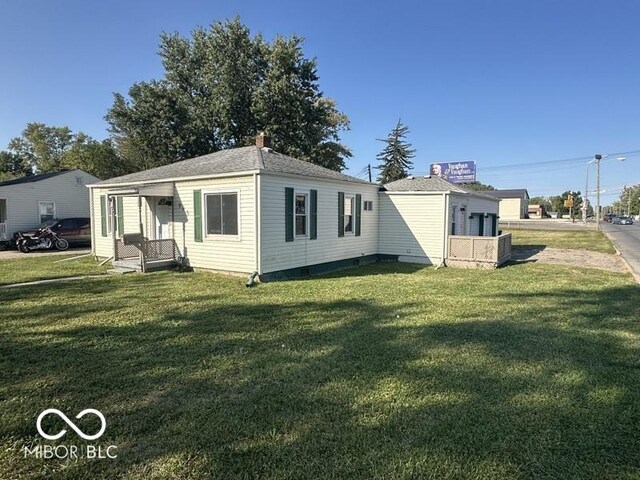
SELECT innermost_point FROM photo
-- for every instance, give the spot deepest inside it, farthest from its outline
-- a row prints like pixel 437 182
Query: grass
pixel 573 239
pixel 44 267
pixel 385 371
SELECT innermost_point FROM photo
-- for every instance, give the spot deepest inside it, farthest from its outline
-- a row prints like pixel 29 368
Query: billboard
pixel 455 172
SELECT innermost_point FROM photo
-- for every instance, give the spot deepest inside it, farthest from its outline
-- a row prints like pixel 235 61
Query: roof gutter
pixel 174 179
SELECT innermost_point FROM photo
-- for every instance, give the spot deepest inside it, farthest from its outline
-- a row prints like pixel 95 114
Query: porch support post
pixel 143 244
pixel 112 224
pixel 140 215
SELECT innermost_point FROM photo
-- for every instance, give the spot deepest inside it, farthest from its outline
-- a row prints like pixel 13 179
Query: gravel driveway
pixel 575 258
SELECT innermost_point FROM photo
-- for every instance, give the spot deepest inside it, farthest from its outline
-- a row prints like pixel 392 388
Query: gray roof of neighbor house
pixel 31 178
pixel 429 184
pixel 511 193
pixel 233 160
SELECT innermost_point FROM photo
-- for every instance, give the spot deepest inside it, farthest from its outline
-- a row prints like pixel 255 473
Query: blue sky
pixel 496 81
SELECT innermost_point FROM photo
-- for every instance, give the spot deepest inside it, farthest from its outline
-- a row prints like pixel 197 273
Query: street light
pixel 598 157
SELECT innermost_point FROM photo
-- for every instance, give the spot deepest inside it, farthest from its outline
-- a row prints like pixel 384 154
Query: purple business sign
pixel 455 172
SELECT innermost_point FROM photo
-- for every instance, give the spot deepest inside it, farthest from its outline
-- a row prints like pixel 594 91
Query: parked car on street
pixel 77 231
pixel 622 221
pixel 609 217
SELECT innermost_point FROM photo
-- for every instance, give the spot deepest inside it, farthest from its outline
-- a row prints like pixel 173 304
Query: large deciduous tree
pixel 396 156
pixel 42 149
pixel 220 88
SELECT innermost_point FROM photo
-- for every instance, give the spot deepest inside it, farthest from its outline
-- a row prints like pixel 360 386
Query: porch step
pixel 121 270
pixel 129 264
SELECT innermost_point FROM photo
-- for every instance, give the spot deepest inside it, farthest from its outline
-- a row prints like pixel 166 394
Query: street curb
pixel 635 275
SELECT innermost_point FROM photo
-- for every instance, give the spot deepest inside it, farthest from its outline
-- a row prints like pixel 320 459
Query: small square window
pixel 368 205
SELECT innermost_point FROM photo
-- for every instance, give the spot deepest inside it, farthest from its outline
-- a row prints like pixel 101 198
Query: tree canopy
pixel 221 86
pixel 42 149
pixel 395 158
pixel 478 186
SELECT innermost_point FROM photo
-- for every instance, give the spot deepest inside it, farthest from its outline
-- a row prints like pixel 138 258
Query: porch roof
pixel 149 190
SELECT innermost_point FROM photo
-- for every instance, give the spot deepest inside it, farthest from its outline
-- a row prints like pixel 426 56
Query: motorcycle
pixel 44 239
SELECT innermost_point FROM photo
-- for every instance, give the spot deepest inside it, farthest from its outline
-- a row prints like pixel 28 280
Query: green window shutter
pixel 494 224
pixel 481 225
pixel 120 212
pixel 341 214
pixel 197 216
pixel 288 214
pixel 358 213
pixel 103 214
pixel 313 219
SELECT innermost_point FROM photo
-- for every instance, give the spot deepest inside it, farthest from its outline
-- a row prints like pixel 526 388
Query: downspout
pixel 445 231
pixel 251 281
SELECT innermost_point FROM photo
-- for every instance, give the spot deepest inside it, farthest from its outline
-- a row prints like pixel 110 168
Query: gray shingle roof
pixel 423 184
pixel 31 178
pixel 429 184
pixel 232 160
pixel 512 193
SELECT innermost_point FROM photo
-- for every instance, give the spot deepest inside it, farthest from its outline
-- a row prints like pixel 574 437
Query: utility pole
pixel 598 158
pixel 369 168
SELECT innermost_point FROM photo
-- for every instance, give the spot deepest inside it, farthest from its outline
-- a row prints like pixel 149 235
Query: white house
pixel 251 209
pixel 514 203
pixel 26 202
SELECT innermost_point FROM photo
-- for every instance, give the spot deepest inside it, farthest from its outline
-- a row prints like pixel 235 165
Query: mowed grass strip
pixel 385 371
pixel 45 267
pixel 573 239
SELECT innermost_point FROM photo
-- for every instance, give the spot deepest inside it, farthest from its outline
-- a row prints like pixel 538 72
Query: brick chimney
pixel 263 141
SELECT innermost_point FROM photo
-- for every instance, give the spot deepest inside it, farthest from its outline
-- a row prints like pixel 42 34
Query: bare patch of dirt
pixel 574 258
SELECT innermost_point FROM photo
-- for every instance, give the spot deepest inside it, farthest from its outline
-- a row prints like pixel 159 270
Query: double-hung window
pixel 301 214
pixel 222 213
pixel 47 211
pixel 348 213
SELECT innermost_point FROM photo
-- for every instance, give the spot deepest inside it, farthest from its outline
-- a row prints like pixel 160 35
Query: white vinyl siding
pixel 277 254
pixel 412 226
pixel 231 253
pixel 103 246
pixel 471 205
pixel 67 191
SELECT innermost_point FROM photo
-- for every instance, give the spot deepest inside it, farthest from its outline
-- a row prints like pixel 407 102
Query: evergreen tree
pixel 396 156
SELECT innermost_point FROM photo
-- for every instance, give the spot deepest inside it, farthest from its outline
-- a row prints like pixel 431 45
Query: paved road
pixel 546 224
pixel 626 238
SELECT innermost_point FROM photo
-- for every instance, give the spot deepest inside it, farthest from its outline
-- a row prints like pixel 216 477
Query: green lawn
pixel 386 371
pixel 43 267
pixel 576 239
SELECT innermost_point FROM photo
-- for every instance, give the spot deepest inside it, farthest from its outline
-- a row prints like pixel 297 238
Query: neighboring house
pixel 251 209
pixel 536 211
pixel 26 202
pixel 514 203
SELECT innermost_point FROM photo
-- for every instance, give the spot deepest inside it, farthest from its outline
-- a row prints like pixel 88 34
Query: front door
pixel 163 217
